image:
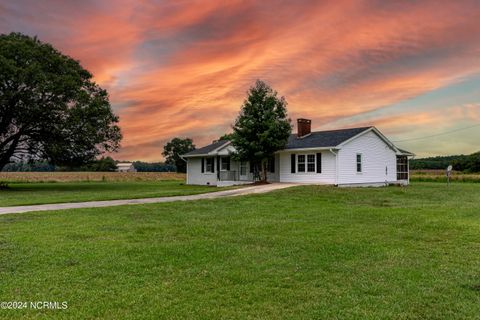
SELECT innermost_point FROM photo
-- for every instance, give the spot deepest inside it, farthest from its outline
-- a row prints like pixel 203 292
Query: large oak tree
pixel 262 127
pixel 50 108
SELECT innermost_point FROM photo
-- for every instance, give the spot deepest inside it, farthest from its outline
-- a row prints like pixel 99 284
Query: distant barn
pixel 125 167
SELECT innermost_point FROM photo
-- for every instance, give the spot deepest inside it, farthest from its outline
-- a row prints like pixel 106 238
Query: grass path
pixel 299 253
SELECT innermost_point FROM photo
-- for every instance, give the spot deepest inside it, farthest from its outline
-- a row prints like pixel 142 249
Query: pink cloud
pixel 182 68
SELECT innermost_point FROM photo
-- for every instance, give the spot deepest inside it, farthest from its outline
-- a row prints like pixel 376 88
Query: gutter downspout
pixel 336 165
pixel 181 157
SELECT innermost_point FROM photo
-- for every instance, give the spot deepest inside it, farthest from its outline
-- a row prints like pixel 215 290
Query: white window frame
pixel 243 166
pixel 305 163
pixel 224 163
pixel 207 171
pixel 359 163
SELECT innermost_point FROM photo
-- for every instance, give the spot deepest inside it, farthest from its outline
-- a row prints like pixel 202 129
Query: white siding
pixel 226 150
pixel 376 155
pixel 195 175
pixel 326 177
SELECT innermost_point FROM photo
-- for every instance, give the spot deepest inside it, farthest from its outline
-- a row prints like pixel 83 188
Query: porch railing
pixel 228 176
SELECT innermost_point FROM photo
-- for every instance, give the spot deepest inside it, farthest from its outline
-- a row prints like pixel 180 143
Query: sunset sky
pixel 182 68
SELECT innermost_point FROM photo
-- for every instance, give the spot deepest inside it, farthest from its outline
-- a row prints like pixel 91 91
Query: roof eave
pixel 306 149
pixel 195 155
pixel 408 154
pixel 211 153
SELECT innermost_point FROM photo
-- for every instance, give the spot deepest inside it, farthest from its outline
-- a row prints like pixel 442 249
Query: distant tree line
pixel 37 166
pixel 466 163
pixel 104 164
pixel 153 167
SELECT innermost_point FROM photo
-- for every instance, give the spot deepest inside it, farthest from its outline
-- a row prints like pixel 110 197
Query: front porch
pixel 233 173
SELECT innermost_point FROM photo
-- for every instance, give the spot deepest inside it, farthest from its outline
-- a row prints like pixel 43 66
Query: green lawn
pixel 301 253
pixel 56 192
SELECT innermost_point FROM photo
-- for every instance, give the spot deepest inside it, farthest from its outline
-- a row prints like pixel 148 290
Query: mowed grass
pixel 57 192
pixel 299 253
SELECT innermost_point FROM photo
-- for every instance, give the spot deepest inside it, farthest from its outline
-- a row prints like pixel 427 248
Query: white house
pixel 346 157
pixel 125 167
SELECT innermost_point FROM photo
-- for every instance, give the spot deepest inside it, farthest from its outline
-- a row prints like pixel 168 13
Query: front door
pixel 243 170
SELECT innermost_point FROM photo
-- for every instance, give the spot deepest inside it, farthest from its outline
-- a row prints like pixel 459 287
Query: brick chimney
pixel 304 127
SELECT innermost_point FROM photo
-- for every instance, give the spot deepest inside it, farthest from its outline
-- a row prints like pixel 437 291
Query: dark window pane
pixel 301 163
pixel 311 163
pixel 359 162
pixel 225 163
pixel 209 164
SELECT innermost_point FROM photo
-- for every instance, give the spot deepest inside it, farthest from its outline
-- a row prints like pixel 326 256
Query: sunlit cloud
pixel 183 68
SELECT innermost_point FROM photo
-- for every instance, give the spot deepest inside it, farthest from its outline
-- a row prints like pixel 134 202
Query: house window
pixel 310 162
pixel 225 164
pixel 243 168
pixel 301 163
pixel 359 162
pixel 209 164
pixel 402 168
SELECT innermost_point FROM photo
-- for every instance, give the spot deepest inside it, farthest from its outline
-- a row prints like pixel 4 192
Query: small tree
pixel 174 149
pixel 104 164
pixel 262 127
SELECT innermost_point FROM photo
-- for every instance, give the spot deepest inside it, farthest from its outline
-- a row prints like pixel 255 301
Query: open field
pixel 58 192
pixel 88 176
pixel 439 176
pixel 300 253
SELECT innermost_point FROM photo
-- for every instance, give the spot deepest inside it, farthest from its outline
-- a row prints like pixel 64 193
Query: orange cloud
pixel 183 68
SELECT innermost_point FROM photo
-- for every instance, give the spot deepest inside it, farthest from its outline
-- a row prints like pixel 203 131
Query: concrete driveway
pixel 110 203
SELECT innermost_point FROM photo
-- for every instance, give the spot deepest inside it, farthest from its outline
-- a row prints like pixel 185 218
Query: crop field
pixel 88 176
pixel 439 176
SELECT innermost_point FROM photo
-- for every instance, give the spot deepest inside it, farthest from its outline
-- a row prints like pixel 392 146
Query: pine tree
pixel 262 127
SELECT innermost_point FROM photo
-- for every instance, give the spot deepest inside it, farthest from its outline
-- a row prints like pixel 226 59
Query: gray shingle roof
pixel 321 139
pixel 207 149
pixel 317 139
pixel 405 151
